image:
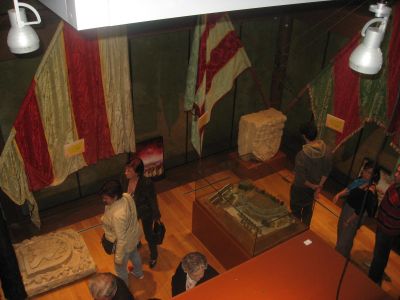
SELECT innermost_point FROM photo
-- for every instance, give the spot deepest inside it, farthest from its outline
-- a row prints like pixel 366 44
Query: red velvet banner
pixel 32 143
pixel 346 92
pixel 393 82
pixel 87 95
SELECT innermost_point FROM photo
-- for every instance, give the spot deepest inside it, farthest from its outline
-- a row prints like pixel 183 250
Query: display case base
pixel 229 244
pixel 247 167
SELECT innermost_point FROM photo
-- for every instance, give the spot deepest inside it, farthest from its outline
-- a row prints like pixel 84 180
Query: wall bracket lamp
pixel 367 57
pixel 22 38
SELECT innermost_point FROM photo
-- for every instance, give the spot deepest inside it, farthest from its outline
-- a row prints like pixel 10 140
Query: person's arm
pixel 341 194
pixel 152 197
pixel 327 169
pixel 119 225
pixel 311 185
pixel 300 169
pixel 322 181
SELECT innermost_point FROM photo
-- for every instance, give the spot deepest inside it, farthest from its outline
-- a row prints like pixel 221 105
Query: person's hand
pixel 351 219
pixel 117 263
pixel 372 188
pixel 317 191
pixel 336 198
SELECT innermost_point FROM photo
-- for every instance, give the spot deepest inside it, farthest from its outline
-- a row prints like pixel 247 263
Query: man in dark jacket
pixel 388 229
pixel 312 167
pixel 192 271
pixel 10 275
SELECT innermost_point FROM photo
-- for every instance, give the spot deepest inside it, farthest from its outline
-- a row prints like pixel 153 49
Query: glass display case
pixel 237 218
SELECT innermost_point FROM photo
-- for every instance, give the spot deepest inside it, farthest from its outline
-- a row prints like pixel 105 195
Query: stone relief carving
pixel 260 133
pixel 52 260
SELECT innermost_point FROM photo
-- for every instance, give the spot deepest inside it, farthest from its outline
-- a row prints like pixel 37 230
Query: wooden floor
pixel 176 209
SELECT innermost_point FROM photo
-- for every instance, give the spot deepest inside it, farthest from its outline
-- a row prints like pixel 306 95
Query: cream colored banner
pixel 223 81
pixel 114 57
pixel 52 94
pixel 13 180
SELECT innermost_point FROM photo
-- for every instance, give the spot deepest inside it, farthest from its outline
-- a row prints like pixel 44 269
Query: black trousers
pixel 301 203
pixel 147 224
pixel 10 276
pixel 383 245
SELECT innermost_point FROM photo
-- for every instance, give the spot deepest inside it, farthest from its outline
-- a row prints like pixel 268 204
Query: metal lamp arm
pixel 20 22
pixel 372 21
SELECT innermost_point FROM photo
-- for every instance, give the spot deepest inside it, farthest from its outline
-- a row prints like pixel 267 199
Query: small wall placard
pixel 334 123
pixel 74 148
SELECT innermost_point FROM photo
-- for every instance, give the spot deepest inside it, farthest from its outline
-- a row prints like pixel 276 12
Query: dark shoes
pixel 152 263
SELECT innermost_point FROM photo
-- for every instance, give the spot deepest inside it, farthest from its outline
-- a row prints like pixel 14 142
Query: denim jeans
pixel 122 271
pixel 346 232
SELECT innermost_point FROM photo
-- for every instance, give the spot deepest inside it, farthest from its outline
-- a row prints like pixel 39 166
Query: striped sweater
pixel 389 211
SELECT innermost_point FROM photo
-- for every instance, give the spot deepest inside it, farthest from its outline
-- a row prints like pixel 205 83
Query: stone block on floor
pixel 52 260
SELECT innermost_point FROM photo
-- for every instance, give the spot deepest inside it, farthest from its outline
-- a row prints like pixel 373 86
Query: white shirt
pixel 190 283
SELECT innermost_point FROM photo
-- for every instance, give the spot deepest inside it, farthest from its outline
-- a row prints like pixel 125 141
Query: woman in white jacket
pixel 121 227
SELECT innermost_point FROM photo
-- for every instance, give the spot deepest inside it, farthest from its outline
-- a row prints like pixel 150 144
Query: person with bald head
pixel 107 286
pixel 192 271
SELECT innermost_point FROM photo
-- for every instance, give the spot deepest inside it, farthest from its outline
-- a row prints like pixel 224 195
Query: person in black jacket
pixel 10 276
pixel 192 271
pixel 143 192
pixel 107 286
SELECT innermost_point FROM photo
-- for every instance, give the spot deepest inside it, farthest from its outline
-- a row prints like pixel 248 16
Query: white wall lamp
pixel 22 38
pixel 367 57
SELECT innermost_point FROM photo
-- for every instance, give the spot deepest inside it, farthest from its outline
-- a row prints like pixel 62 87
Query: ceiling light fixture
pixel 367 57
pixel 21 37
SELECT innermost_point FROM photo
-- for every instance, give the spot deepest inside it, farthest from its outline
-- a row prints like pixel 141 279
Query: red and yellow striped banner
pixel 81 91
pixel 216 60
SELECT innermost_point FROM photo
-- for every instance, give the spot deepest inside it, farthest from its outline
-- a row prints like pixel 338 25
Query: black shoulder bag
pixel 109 247
pixel 158 232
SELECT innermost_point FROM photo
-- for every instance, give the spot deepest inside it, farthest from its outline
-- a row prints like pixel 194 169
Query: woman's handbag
pixel 158 232
pixel 108 246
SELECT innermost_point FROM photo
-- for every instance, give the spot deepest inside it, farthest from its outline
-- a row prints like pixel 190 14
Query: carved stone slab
pixel 260 133
pixel 52 260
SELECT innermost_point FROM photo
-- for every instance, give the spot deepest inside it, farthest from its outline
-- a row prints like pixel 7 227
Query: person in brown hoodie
pixel 312 167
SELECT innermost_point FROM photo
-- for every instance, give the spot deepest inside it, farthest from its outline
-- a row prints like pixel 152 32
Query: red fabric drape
pixel 221 55
pixel 346 91
pixel 393 82
pixel 32 143
pixel 394 61
pixel 87 95
pixel 202 63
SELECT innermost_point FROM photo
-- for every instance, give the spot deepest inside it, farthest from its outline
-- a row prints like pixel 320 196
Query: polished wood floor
pixel 176 208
